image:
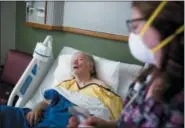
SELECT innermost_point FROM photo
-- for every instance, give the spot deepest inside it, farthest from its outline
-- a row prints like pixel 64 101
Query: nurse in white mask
pixel 156 98
pixel 145 44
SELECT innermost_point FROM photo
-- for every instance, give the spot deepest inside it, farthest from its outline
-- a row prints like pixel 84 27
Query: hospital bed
pixel 40 74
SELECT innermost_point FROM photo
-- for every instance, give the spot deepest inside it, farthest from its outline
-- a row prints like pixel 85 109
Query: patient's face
pixel 81 64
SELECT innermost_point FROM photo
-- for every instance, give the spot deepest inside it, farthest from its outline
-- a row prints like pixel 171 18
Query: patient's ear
pixel 93 71
pixel 91 68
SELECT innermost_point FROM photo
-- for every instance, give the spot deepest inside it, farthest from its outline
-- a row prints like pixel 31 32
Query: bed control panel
pixel 26 84
pixel 28 80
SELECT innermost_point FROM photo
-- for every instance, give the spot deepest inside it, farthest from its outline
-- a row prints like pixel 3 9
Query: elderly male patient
pixel 53 111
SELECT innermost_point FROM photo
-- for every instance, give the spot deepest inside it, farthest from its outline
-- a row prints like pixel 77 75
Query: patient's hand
pixel 97 122
pixel 92 121
pixel 73 122
pixel 34 116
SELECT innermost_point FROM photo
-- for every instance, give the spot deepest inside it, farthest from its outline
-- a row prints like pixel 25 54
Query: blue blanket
pixel 55 116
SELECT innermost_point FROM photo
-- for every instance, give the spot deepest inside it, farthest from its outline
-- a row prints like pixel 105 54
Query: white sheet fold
pixel 92 104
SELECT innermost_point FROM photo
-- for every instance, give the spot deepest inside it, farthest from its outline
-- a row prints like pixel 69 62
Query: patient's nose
pixel 75 62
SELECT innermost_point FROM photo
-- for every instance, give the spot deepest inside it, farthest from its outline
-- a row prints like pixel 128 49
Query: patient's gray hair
pixel 92 61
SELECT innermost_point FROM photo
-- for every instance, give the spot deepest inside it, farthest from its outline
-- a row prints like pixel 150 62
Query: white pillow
pixel 63 69
pixel 127 73
pixel 107 70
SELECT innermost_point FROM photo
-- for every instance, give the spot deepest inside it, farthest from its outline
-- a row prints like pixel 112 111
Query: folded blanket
pixel 93 104
pixel 55 116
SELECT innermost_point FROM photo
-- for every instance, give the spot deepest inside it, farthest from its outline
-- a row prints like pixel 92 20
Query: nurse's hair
pixel 166 23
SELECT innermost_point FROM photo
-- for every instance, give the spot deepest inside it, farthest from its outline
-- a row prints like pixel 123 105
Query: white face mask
pixel 139 50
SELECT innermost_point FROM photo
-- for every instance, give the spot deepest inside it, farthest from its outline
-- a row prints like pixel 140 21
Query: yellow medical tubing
pixel 168 39
pixel 151 19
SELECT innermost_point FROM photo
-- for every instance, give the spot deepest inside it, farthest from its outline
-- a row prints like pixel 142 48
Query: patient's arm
pixel 36 114
pixel 51 97
pixel 42 105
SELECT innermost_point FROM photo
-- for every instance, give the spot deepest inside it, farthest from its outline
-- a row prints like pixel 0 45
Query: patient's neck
pixel 83 80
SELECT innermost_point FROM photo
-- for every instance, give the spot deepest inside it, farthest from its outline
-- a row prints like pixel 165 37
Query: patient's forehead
pixel 81 55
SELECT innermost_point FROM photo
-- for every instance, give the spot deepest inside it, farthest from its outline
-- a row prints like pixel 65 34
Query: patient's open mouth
pixel 75 67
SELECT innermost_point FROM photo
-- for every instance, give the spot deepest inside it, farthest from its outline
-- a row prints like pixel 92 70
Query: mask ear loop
pixel 153 16
pixel 168 39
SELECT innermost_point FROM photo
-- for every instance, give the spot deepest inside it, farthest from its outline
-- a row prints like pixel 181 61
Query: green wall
pixel 27 37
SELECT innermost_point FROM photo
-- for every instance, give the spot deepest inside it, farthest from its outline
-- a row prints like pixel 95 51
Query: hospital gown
pixel 111 100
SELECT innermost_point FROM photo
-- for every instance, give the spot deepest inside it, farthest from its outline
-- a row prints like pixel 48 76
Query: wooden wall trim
pixel 96 34
pixel 36 25
pixel 79 31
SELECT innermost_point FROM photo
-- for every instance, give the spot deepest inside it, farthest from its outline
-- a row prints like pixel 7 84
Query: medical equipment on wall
pixel 34 73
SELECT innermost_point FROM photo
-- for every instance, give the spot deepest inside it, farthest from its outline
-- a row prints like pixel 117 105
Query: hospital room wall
pixel 27 37
pixel 7 28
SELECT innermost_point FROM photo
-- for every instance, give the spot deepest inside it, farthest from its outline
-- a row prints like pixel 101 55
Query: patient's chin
pixel 76 72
